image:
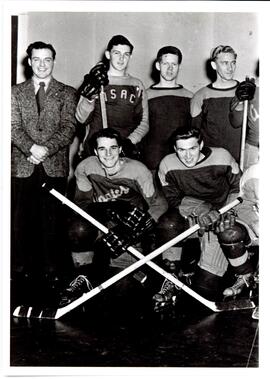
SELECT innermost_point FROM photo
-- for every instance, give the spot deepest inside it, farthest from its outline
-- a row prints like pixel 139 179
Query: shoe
pixel 242 281
pixel 255 313
pixel 76 289
pixel 167 291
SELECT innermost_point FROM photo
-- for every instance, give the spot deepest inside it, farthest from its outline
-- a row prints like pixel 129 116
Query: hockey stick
pixel 103 108
pixel 243 135
pixel 30 312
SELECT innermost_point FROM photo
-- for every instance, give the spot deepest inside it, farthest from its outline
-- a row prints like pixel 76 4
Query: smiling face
pixel 108 152
pixel 119 57
pixel 42 63
pixel 188 151
pixel 168 67
pixel 225 65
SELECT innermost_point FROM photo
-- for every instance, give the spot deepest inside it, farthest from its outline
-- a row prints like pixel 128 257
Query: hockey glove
pixel 246 90
pixel 226 221
pixel 134 223
pixel 97 77
pixel 206 218
pixel 115 244
pixel 130 150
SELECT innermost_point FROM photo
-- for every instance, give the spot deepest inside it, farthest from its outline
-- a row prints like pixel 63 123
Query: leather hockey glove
pixel 130 150
pixel 206 219
pixel 226 221
pixel 115 244
pixel 246 90
pixel 134 223
pixel 97 77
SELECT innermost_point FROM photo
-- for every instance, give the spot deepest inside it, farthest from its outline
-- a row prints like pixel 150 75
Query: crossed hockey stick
pixel 26 311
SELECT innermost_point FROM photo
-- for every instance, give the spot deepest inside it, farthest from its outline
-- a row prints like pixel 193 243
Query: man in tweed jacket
pixel 40 136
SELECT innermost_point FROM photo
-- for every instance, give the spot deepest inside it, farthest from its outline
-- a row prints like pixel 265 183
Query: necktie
pixel 40 96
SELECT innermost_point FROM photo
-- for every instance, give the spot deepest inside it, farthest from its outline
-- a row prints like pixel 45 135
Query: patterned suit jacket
pixel 53 128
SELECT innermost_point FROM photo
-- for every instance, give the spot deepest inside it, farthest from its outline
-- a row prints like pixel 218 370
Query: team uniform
pixel 214 181
pixel 169 109
pixel 132 185
pixel 126 108
pixel 210 109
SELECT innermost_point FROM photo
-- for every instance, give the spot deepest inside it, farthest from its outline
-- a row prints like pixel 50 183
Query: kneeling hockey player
pixel 118 192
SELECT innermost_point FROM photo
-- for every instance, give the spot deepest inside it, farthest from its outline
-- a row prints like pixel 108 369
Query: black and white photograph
pixel 130 188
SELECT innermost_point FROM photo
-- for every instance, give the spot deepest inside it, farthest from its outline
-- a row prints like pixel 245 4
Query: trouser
pixel 37 225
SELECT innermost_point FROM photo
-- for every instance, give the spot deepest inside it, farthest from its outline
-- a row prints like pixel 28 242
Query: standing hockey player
pixel 210 106
pixel 126 100
pixel 169 107
pixel 118 192
pixel 197 180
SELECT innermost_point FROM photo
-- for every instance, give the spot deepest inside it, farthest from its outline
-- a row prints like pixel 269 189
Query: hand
pixel 33 160
pixel 130 150
pixel 246 90
pixel 39 152
pixel 205 217
pixel 132 225
pixel 116 245
pixel 97 77
pixel 226 221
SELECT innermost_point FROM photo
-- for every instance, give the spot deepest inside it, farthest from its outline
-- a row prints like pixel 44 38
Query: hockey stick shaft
pixel 103 108
pixel 243 135
pixel 156 252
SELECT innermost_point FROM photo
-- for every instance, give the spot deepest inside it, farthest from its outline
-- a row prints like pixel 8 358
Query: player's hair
pixel 186 133
pixel 221 49
pixel 169 50
pixel 119 40
pixel 40 45
pixel 107 133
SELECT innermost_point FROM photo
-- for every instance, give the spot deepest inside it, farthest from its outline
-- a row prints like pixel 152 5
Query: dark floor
pixel 123 331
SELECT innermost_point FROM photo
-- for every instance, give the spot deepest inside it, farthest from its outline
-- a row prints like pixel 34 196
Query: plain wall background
pixel 81 38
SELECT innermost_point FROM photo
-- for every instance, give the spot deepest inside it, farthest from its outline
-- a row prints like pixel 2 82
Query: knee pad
pixel 234 240
pixel 169 225
pixel 81 234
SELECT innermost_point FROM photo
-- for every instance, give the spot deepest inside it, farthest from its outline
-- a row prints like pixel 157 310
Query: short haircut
pixel 119 40
pixel 221 49
pixel 169 50
pixel 106 133
pixel 186 133
pixel 40 45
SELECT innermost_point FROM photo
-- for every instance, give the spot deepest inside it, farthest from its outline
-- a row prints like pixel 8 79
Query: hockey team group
pixel 146 165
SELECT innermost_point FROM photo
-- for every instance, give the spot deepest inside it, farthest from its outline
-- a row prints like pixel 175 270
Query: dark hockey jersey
pixel 211 180
pixel 169 109
pixel 210 109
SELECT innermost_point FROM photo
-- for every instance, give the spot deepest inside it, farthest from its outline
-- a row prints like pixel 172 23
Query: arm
pixel 84 109
pixel 141 109
pixel 196 104
pixel 19 136
pixel 171 190
pixel 84 189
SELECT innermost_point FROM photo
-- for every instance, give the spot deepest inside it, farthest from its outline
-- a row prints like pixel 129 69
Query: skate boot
pixel 166 297
pixel 242 281
pixel 76 289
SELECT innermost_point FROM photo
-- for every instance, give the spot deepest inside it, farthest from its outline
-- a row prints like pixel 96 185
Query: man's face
pixel 225 65
pixel 108 152
pixel 188 151
pixel 119 57
pixel 168 67
pixel 42 63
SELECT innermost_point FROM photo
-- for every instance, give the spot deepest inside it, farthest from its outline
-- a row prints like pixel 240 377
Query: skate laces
pixel 78 283
pixel 168 288
pixel 241 281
